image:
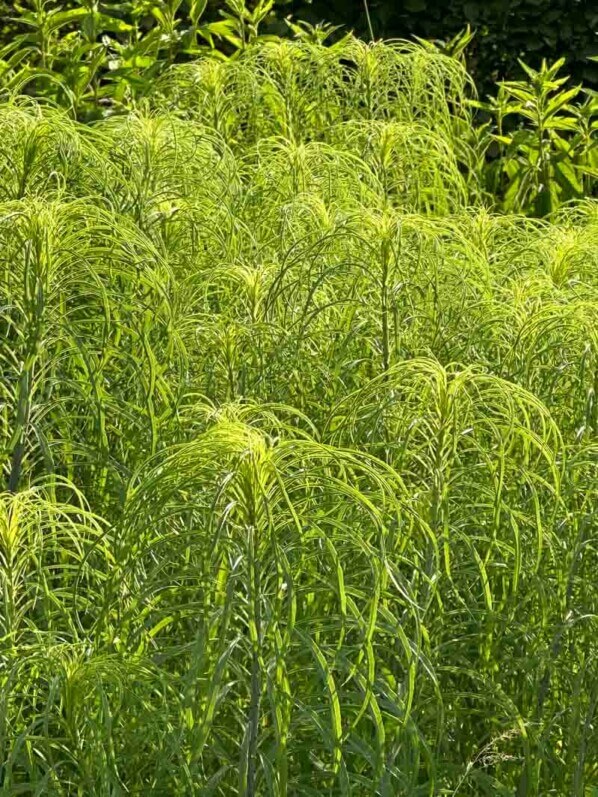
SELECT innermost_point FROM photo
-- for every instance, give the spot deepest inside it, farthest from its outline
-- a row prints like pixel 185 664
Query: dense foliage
pixel 90 50
pixel 299 444
pixel 532 145
pixel 506 29
pixel 98 57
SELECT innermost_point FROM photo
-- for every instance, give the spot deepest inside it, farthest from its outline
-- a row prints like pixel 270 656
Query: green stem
pixel 369 19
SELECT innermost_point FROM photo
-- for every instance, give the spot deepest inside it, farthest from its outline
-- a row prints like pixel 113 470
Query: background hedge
pixel 506 29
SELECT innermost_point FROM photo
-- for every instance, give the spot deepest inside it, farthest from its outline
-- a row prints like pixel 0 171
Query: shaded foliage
pixel 506 29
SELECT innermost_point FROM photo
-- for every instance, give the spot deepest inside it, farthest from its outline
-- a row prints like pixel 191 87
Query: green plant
pixel 89 57
pixel 551 157
pixel 298 443
pixel 245 21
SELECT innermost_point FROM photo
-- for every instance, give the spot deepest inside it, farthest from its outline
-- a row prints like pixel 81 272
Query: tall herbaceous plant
pixel 299 444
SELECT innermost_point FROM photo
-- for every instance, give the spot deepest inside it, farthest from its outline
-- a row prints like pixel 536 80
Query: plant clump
pixel 299 444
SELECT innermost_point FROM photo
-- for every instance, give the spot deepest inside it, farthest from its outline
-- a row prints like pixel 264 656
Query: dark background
pixel 505 29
